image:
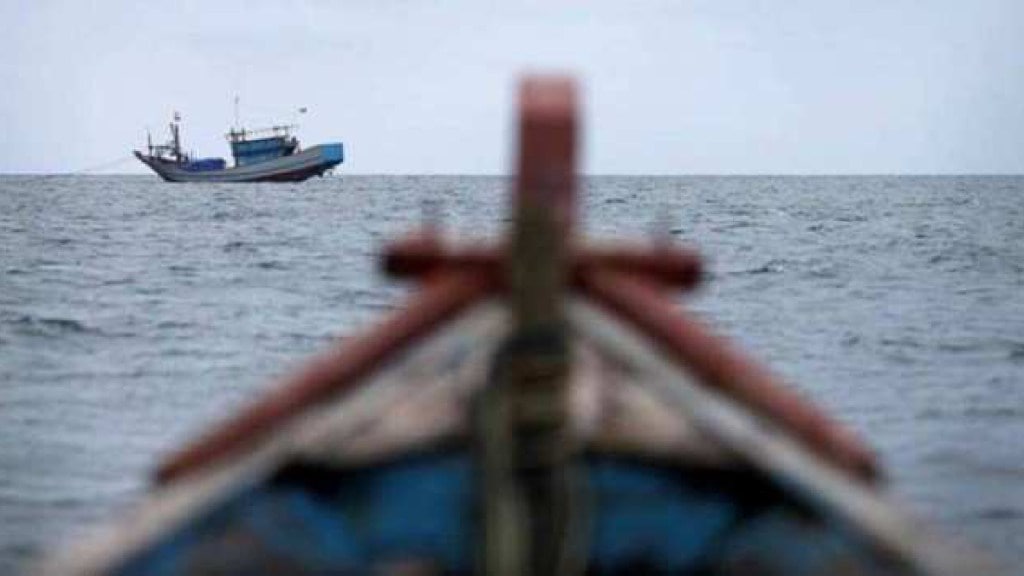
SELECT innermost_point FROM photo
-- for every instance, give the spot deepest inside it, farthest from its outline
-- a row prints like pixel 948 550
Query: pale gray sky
pixel 745 86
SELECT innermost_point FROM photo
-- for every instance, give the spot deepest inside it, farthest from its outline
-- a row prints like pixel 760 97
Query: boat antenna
pixel 238 125
pixel 149 141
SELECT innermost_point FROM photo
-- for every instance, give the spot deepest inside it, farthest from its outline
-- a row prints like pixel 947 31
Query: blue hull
pixel 314 161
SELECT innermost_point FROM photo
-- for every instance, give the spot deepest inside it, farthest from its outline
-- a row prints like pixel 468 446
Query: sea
pixel 134 313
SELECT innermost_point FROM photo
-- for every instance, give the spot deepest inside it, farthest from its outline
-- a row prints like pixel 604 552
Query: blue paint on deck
pixel 648 516
pixel 639 517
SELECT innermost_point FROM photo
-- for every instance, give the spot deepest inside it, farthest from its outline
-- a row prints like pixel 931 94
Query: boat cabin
pixel 247 150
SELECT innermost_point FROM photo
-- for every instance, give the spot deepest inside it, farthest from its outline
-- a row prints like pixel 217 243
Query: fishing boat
pixel 262 155
pixel 541 406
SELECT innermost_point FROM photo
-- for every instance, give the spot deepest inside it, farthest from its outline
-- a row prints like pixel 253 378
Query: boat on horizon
pixel 271 154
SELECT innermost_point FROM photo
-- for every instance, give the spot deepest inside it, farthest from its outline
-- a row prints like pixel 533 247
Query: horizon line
pixel 586 175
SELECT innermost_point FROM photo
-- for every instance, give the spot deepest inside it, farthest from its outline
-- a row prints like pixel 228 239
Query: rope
pixel 104 166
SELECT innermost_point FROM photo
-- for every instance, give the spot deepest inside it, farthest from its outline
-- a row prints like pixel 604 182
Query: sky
pixel 428 87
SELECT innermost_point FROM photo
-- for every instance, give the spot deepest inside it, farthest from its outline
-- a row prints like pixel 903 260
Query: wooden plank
pixel 424 254
pixel 719 365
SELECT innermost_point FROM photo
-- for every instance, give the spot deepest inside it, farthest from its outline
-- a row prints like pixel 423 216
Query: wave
pixel 56 326
pixel 271 265
pixel 769 267
pixel 999 513
pixel 44 325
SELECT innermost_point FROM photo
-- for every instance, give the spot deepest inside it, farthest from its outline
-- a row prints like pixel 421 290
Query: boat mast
pixel 176 137
pixel 527 474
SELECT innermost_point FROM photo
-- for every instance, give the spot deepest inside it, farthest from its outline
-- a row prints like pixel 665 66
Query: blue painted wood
pixel 261 149
pixel 648 516
pixel 205 164
pixel 640 519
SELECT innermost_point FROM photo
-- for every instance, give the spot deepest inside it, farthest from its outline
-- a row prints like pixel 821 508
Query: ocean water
pixel 133 313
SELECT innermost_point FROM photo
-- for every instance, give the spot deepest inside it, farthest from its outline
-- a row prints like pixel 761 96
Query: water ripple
pixel 133 313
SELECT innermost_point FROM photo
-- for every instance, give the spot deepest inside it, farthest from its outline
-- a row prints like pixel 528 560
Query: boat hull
pixel 676 478
pixel 314 161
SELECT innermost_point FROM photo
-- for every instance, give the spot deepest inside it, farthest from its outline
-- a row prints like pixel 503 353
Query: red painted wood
pixel 421 256
pixel 716 363
pixel 546 170
pixel 332 373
